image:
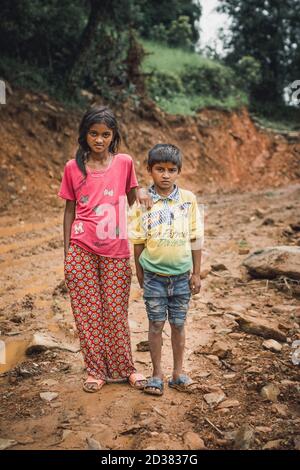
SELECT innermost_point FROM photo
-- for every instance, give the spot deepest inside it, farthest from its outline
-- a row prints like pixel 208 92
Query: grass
pixel 170 59
pixel 189 105
pixel 165 59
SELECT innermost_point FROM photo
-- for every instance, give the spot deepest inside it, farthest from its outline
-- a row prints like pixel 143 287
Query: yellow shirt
pixel 166 230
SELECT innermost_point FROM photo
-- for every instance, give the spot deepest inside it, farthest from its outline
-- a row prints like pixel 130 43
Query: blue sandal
pixel 154 386
pixel 183 383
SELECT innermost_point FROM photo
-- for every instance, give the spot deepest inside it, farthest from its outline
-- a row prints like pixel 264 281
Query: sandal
pixel 92 386
pixel 183 383
pixel 154 386
pixel 137 381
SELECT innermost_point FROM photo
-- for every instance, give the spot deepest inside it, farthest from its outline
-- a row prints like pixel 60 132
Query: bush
pixel 209 80
pixel 164 85
pixel 180 33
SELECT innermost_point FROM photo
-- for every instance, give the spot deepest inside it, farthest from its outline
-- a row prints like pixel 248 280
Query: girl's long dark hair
pixel 96 115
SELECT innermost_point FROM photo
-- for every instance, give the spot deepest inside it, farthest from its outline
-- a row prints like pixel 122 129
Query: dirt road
pixel 119 417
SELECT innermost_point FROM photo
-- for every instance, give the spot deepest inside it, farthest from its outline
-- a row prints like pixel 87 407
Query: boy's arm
pixel 69 216
pixel 195 280
pixel 139 270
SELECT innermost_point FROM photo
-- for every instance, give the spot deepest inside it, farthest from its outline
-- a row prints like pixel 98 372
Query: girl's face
pixel 99 138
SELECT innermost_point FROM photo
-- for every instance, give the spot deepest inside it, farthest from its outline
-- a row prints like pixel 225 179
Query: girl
pixel 95 186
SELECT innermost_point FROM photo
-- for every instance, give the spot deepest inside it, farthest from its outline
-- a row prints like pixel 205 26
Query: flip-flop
pixel 183 383
pixel 93 386
pixel 137 381
pixel 154 386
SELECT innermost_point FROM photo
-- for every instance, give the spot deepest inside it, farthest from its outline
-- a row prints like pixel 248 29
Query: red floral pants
pixel 99 290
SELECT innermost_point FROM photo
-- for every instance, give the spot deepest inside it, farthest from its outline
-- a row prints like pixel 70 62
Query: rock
pixel 229 376
pixel 259 213
pixel 93 444
pixel 280 409
pixel 48 396
pixel 7 443
pixel 214 359
pixel 221 349
pixel 214 398
pixel 219 267
pixel 263 429
pixel 272 345
pixel 268 221
pixel 49 382
pixel 237 335
pixel 271 445
pixel 270 392
pixel 143 346
pixel 244 251
pixel 193 441
pixel 297 442
pixel 243 438
pixel 229 404
pixel 274 262
pixel 259 327
pixel 42 341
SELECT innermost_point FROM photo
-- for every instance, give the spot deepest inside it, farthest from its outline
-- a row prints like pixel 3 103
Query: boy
pixel 167 265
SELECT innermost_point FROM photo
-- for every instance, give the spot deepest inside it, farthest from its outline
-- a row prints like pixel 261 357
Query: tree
pixel 152 13
pixel 268 31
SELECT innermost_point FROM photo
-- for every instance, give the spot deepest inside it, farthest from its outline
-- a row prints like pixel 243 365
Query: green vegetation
pixel 183 82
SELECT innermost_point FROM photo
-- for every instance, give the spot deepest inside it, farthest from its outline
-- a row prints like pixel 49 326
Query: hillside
pixel 223 150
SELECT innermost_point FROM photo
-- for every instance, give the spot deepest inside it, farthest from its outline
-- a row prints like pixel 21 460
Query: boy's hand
pixel 140 276
pixel 195 283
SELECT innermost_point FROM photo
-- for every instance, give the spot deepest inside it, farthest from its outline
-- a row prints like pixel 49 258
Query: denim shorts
pixel 167 297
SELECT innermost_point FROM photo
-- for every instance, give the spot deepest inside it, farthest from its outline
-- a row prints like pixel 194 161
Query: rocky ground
pixel 246 392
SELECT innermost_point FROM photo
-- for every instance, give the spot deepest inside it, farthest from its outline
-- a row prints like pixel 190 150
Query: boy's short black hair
pixel 162 153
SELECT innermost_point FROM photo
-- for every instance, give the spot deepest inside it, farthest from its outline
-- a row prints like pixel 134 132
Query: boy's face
pixel 164 175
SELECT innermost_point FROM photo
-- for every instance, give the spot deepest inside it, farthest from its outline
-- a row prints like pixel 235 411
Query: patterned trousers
pixel 99 290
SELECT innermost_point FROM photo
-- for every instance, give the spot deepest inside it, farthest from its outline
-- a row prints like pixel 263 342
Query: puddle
pixel 12 352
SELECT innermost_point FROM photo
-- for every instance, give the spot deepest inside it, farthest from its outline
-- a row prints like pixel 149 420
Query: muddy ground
pixel 33 299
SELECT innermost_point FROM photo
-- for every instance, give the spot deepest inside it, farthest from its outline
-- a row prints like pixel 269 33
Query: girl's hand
pixel 195 283
pixel 143 198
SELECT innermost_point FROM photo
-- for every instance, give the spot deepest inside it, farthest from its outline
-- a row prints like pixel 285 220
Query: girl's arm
pixel 138 249
pixel 69 216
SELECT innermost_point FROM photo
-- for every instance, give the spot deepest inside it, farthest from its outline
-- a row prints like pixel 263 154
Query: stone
pixel 270 392
pixel 48 396
pixel 143 346
pixel 272 345
pixel 49 382
pixel 273 262
pixel 260 327
pixel 280 409
pixel 193 441
pixel 272 445
pixel 229 376
pixel 214 398
pixel 229 404
pixel 221 349
pixel 263 429
pixel 93 444
pixel 219 267
pixel 7 443
pixel 244 438
pixel 42 341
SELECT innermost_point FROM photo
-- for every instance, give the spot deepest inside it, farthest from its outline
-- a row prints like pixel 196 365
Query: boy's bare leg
pixel 178 344
pixel 155 343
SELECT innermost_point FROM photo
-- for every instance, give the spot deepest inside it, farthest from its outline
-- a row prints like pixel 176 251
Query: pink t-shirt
pixel 100 224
